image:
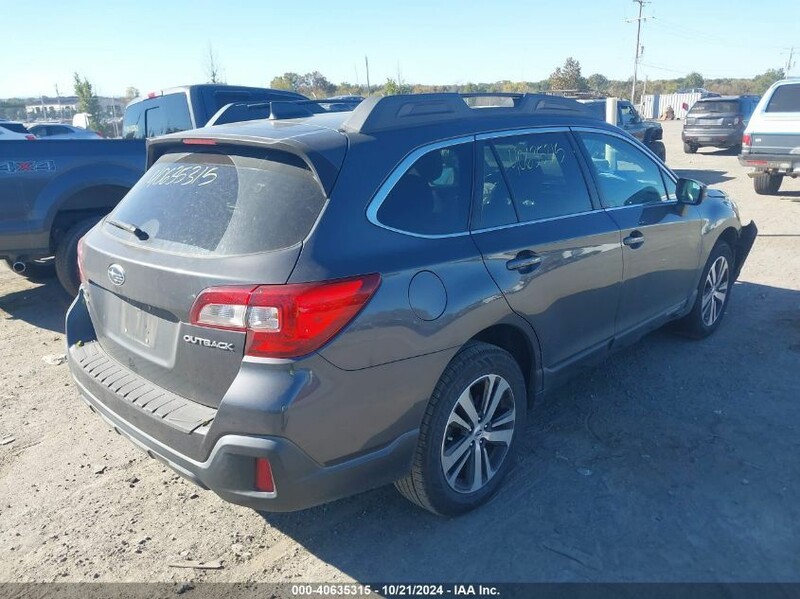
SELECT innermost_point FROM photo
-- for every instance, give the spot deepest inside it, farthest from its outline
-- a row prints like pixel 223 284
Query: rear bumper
pixel 314 457
pixel 300 482
pixel 712 137
pixel 747 237
pixel 25 246
pixel 785 164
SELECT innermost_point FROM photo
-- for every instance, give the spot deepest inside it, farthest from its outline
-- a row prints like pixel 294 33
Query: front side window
pixel 433 195
pixel 543 176
pixel 626 175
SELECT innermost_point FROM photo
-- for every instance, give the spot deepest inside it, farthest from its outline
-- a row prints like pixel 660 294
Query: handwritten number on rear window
pixel 184 175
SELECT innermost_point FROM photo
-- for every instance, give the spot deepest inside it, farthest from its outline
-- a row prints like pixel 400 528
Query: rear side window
pixel 170 114
pixel 222 204
pixel 433 196
pixel 543 175
pixel 157 116
pixel 133 121
pixel 785 98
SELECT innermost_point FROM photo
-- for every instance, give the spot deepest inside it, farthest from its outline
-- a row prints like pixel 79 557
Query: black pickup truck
pixel 650 133
pixel 53 191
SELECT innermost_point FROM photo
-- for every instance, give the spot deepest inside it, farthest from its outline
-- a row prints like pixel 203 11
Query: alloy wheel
pixel 478 434
pixel 715 291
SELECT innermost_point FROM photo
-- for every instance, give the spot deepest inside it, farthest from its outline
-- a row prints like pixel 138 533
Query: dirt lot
pixel 674 461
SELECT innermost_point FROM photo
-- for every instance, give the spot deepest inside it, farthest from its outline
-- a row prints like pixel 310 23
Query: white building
pixel 66 106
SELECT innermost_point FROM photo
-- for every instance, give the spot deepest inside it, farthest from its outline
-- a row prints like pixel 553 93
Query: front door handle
pixel 634 240
pixel 524 262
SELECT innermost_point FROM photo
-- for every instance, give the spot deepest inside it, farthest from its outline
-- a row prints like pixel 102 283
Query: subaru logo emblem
pixel 116 274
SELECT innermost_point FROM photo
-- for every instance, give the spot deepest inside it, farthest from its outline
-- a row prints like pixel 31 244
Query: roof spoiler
pixel 394 112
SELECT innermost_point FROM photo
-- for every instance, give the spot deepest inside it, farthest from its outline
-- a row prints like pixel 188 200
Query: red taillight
pixel 285 321
pixel 746 140
pixel 264 480
pixel 81 272
pixel 189 141
pixel 30 137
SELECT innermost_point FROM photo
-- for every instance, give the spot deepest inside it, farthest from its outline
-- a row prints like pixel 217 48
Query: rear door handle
pixel 634 240
pixel 524 262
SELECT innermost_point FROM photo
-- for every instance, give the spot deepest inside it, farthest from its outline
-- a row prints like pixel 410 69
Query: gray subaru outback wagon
pixel 291 310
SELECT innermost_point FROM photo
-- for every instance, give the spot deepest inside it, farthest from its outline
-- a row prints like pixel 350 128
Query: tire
pixel 67 255
pixel 658 148
pixel 766 184
pixel 697 323
pixel 446 429
pixel 689 148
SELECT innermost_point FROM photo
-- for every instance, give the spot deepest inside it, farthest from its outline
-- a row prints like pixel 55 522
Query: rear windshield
pixel 222 205
pixel 15 127
pixel 716 107
pixel 785 98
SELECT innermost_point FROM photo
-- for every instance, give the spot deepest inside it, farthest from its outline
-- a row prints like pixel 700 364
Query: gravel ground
pixel 675 460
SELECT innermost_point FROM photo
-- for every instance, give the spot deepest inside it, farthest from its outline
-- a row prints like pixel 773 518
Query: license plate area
pixel 138 325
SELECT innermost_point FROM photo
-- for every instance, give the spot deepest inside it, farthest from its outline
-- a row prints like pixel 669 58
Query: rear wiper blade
pixel 133 229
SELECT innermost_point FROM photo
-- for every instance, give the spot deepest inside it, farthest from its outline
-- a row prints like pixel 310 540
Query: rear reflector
pixel 264 481
pixel 285 321
pixel 81 271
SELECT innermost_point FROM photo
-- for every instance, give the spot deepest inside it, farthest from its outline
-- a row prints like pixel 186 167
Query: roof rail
pixel 395 112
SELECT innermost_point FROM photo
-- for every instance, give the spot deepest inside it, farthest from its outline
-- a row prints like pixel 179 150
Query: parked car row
pixel 230 322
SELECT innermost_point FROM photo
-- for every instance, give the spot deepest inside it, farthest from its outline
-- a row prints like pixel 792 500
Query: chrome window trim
pixel 400 170
pixel 536 222
pixel 516 132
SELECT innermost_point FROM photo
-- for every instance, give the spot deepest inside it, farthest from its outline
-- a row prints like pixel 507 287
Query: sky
pixel 152 45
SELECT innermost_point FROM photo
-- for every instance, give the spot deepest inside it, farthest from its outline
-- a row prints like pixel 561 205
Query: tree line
pixel 568 76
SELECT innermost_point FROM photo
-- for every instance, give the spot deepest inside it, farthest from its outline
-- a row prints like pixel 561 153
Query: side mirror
pixel 690 191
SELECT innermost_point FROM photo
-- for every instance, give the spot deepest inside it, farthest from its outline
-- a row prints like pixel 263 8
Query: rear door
pixel 661 238
pixel 555 255
pixel 224 216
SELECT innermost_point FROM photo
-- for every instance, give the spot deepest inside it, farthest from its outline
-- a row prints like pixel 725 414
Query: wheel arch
pixel 95 200
pixel 524 348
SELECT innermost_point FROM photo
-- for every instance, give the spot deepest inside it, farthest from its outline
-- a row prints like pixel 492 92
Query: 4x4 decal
pixel 26 166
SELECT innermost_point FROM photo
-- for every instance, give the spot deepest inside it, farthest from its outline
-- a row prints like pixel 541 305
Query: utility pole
pixel 789 61
pixel 366 62
pixel 638 20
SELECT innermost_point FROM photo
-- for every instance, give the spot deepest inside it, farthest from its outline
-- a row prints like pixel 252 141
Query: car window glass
pixel 433 196
pixel 494 200
pixel 785 98
pixel 625 174
pixel 133 121
pixel 544 175
pixel 627 115
pixel 672 193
